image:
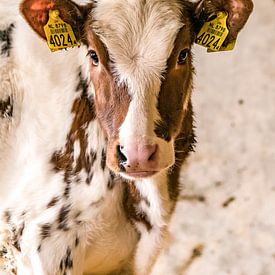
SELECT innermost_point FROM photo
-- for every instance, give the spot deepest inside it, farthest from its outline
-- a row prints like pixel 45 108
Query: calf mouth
pixel 140 174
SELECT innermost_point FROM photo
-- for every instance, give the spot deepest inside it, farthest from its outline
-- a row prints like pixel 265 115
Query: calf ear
pixel 36 13
pixel 238 13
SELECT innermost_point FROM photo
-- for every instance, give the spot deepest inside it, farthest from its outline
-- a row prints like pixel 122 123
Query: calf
pixel 90 177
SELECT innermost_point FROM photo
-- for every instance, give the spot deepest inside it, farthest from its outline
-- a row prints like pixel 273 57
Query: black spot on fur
pixel 45 231
pixel 63 218
pixel 67 261
pixel 89 178
pixel 21 230
pixel 76 243
pixel 53 202
pixel 61 265
pixel 5 40
pixel 67 189
pixel 15 240
pixel 6 107
pixel 103 159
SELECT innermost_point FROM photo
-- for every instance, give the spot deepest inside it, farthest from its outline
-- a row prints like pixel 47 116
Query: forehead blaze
pixel 139 36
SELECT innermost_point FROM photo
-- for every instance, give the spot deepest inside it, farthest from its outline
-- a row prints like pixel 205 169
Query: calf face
pixel 141 69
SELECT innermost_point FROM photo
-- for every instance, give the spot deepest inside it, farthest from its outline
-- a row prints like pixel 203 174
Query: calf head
pixel 141 69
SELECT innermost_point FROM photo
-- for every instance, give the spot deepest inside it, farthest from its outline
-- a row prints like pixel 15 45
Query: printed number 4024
pixel 61 41
pixel 208 40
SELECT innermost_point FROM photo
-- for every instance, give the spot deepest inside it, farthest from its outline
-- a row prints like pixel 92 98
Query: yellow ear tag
pixel 229 47
pixel 59 34
pixel 213 33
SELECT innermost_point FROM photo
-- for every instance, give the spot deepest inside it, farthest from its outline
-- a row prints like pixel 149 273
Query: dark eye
pixel 183 56
pixel 93 57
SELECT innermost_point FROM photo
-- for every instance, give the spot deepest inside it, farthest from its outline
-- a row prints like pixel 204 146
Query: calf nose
pixel 136 157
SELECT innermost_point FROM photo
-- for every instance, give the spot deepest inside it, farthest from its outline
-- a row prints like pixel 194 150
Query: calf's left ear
pixel 238 14
pixel 36 13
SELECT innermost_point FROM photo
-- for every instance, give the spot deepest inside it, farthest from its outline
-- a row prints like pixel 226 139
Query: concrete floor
pixel 225 221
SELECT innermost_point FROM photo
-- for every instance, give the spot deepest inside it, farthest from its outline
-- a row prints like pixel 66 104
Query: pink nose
pixel 139 157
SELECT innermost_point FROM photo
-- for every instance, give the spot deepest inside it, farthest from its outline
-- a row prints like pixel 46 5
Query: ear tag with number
pixel 229 47
pixel 213 33
pixel 59 34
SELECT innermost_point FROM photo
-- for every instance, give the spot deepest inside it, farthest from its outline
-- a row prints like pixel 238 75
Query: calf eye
pixel 183 56
pixel 93 57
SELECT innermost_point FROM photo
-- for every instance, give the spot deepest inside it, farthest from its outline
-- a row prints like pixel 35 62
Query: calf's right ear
pixel 36 13
pixel 238 14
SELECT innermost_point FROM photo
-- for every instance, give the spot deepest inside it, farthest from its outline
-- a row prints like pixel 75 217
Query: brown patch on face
pixel 176 122
pixel 63 160
pixel 184 144
pixel 175 87
pixel 131 202
pixel 111 100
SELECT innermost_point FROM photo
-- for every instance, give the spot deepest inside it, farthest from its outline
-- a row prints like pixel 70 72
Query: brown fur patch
pixel 45 231
pixel 84 113
pixel 111 100
pixel 175 88
pixel 53 202
pixel 131 201
pixel 6 42
pixel 63 217
pixel 184 144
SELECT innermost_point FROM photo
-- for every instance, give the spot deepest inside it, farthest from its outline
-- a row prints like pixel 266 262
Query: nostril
pixel 121 157
pixel 153 155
